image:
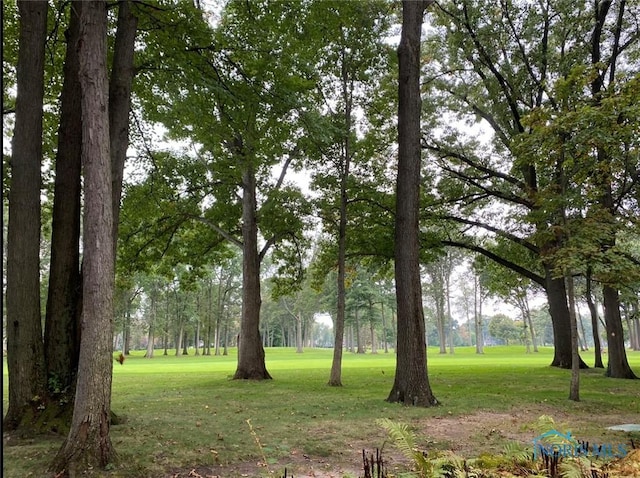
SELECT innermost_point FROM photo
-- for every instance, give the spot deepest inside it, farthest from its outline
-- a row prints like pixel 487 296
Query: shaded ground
pixel 466 435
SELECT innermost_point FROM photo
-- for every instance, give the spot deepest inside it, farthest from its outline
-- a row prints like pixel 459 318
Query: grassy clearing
pixel 186 411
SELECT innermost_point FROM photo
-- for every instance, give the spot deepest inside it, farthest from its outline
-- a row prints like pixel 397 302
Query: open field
pixel 185 413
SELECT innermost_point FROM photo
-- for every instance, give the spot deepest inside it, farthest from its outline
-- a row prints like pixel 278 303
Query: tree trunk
pixel 448 297
pixel 534 339
pixel 384 329
pixel 122 73
pixel 442 336
pixel 557 298
pixel 25 350
pixel 150 339
pixel 360 346
pixel 185 342
pixel 335 378
pixel 411 384
pixel 299 341
pixel 251 364
pixel 179 337
pixel 374 345
pixel 618 366
pixel 62 322
pixel 594 323
pixel 88 444
pixel 477 310
pixel 574 388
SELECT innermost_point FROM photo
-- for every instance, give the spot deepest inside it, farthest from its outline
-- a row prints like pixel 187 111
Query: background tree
pixel 516 161
pixel 504 328
pixel 253 128
pixel 348 66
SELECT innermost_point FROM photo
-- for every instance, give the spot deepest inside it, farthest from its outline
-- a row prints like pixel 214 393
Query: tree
pixel 498 73
pixel 514 289
pixel 411 384
pixel 348 55
pixel 64 296
pixel 504 328
pixel 25 358
pixel 252 126
pixel 88 443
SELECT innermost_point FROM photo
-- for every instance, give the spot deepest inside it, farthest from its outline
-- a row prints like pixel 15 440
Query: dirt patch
pixel 466 435
pixel 484 431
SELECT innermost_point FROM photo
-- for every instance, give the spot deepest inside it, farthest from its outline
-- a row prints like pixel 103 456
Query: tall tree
pixel 88 444
pixel 513 74
pixel 252 127
pixel 605 181
pixel 120 86
pixel 411 384
pixel 64 302
pixel 25 358
pixel 62 322
pixel 349 56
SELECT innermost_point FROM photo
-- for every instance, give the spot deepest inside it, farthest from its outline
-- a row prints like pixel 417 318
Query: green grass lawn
pixel 183 412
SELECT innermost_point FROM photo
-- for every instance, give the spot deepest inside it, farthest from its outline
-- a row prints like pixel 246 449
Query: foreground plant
pixel 514 461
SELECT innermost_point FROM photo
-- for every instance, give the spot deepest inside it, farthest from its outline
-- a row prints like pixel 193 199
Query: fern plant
pixel 440 465
pixel 405 441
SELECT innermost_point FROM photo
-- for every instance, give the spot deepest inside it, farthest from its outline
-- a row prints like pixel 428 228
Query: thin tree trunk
pixel 88 444
pixel 594 323
pixel 448 295
pixel 411 384
pixel 179 338
pixel 374 345
pixel 440 319
pixel 532 330
pixel 360 347
pixel 152 320
pixel 477 310
pixel 384 329
pixel 197 339
pixel 335 378
pixel 25 350
pixel 574 389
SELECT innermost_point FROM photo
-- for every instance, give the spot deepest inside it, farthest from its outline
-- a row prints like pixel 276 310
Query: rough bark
pixel 251 363
pixel 559 310
pixel 618 366
pixel 88 444
pixel 122 73
pixel 62 324
pixel 411 384
pixel 25 353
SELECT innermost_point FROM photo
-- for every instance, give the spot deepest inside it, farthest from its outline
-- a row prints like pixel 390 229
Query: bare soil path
pixel 465 435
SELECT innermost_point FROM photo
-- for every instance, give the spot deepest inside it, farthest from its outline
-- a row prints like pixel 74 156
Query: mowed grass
pixel 182 412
